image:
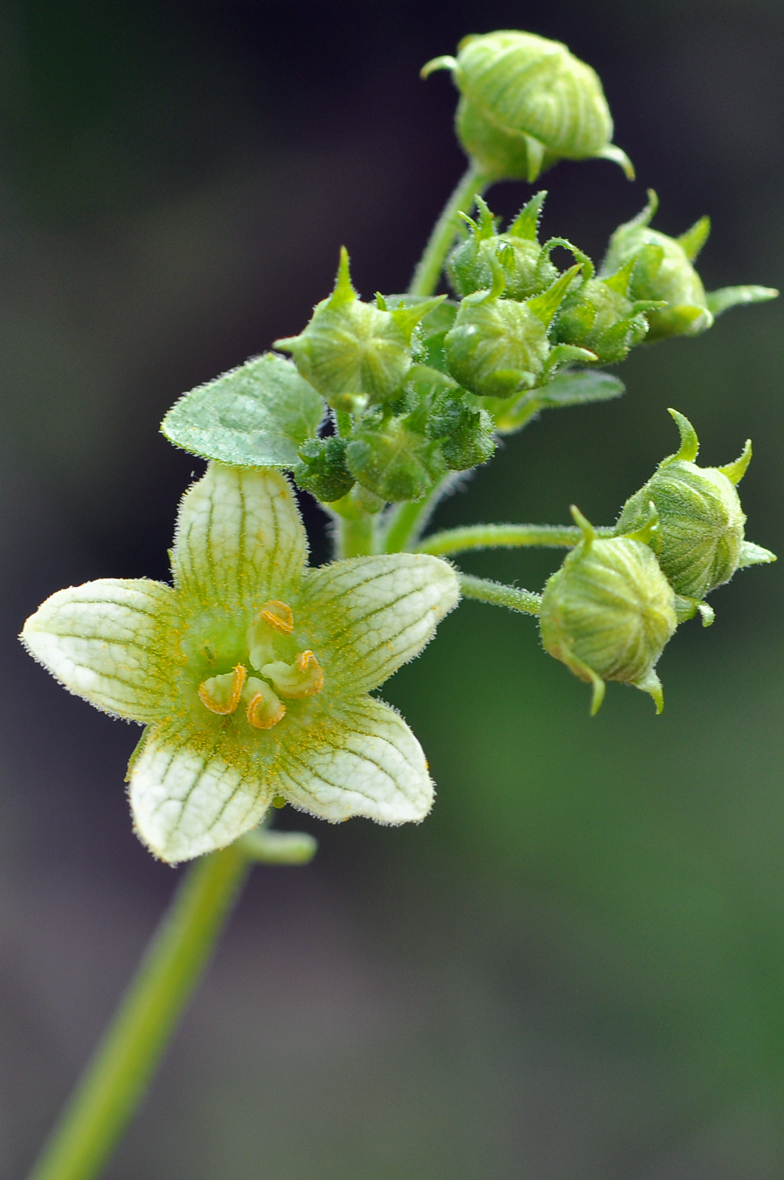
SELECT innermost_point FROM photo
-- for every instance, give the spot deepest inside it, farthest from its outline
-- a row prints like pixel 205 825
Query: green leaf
pixel 570 388
pixel 577 387
pixel 255 416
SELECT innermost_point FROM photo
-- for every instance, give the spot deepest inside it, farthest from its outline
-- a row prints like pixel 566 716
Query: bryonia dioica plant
pixel 251 674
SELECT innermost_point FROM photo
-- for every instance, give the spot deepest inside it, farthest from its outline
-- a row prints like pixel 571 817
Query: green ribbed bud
pixel 527 102
pixel 394 461
pixel 355 354
pixel 700 543
pixel 499 346
pixel 466 433
pixel 526 262
pixel 664 271
pixel 601 316
pixel 322 470
pixel 608 612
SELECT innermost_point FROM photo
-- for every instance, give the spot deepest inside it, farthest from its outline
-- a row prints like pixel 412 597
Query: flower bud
pixel 700 542
pixel 499 346
pixel 600 316
pixel 322 470
pixel 526 263
pixel 394 461
pixel 608 612
pixel 664 270
pixel 527 102
pixel 355 354
pixel 465 432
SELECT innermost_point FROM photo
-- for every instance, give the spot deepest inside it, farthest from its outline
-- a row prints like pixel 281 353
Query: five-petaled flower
pixel 252 673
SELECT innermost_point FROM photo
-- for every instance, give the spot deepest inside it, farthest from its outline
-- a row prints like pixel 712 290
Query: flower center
pixel 261 694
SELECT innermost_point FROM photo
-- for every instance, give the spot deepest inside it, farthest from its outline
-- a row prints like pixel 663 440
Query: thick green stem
pixel 497 594
pixel 124 1062
pixel 408 521
pixel 356 535
pixel 431 264
pixel 500 536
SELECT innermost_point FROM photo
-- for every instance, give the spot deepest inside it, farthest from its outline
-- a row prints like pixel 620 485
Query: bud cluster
pixel 614 604
pixel 418 386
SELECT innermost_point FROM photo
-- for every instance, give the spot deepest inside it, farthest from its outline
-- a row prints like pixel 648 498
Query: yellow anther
pixel 264 709
pixel 279 616
pixel 221 694
pixel 303 678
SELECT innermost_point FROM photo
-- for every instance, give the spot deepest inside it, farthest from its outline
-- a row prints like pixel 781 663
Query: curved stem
pixel 431 263
pixel 509 536
pixel 125 1060
pixel 497 594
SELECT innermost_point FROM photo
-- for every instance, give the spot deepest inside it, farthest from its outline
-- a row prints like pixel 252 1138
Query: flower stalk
pixel 133 1045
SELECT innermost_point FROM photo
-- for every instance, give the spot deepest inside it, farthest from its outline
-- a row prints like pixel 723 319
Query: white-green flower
pixel 252 673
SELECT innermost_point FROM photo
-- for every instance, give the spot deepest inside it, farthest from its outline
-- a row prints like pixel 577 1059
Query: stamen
pixel 264 709
pixel 279 616
pixel 221 694
pixel 303 678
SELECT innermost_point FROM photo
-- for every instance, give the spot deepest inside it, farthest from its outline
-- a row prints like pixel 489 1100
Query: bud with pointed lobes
pixel 609 611
pixel 499 346
pixel 700 542
pixel 394 460
pixel 664 270
pixel 526 103
pixel 322 469
pixel 601 316
pixel 465 432
pixel 526 262
pixel 355 354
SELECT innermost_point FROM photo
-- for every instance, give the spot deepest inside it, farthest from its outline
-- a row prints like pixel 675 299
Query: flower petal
pixel 361 760
pixel 187 799
pixel 110 642
pixel 369 615
pixel 239 535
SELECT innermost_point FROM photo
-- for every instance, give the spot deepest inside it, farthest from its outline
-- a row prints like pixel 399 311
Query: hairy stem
pixel 407 521
pixel 431 263
pixel 500 536
pixel 356 535
pixel 498 594
pixel 123 1064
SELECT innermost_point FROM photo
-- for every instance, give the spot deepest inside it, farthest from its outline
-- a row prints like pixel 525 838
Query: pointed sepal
pixel 652 685
pixel 618 156
pixel 526 224
pixel 692 241
pixel 736 471
pixel 690 444
pixel 343 292
pixel 751 554
pixel 727 297
pixel 545 306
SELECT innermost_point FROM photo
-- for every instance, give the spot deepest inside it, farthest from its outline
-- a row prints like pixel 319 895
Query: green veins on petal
pixel 252 673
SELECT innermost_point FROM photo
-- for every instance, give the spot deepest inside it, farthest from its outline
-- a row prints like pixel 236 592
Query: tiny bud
pixel 527 266
pixel 499 346
pixel 608 612
pixel 601 316
pixel 466 433
pixel 663 270
pixel 394 461
pixel 700 543
pixel 527 102
pixel 323 471
pixel 355 354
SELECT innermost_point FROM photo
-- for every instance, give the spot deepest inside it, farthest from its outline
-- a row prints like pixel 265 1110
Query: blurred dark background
pixel 574 970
